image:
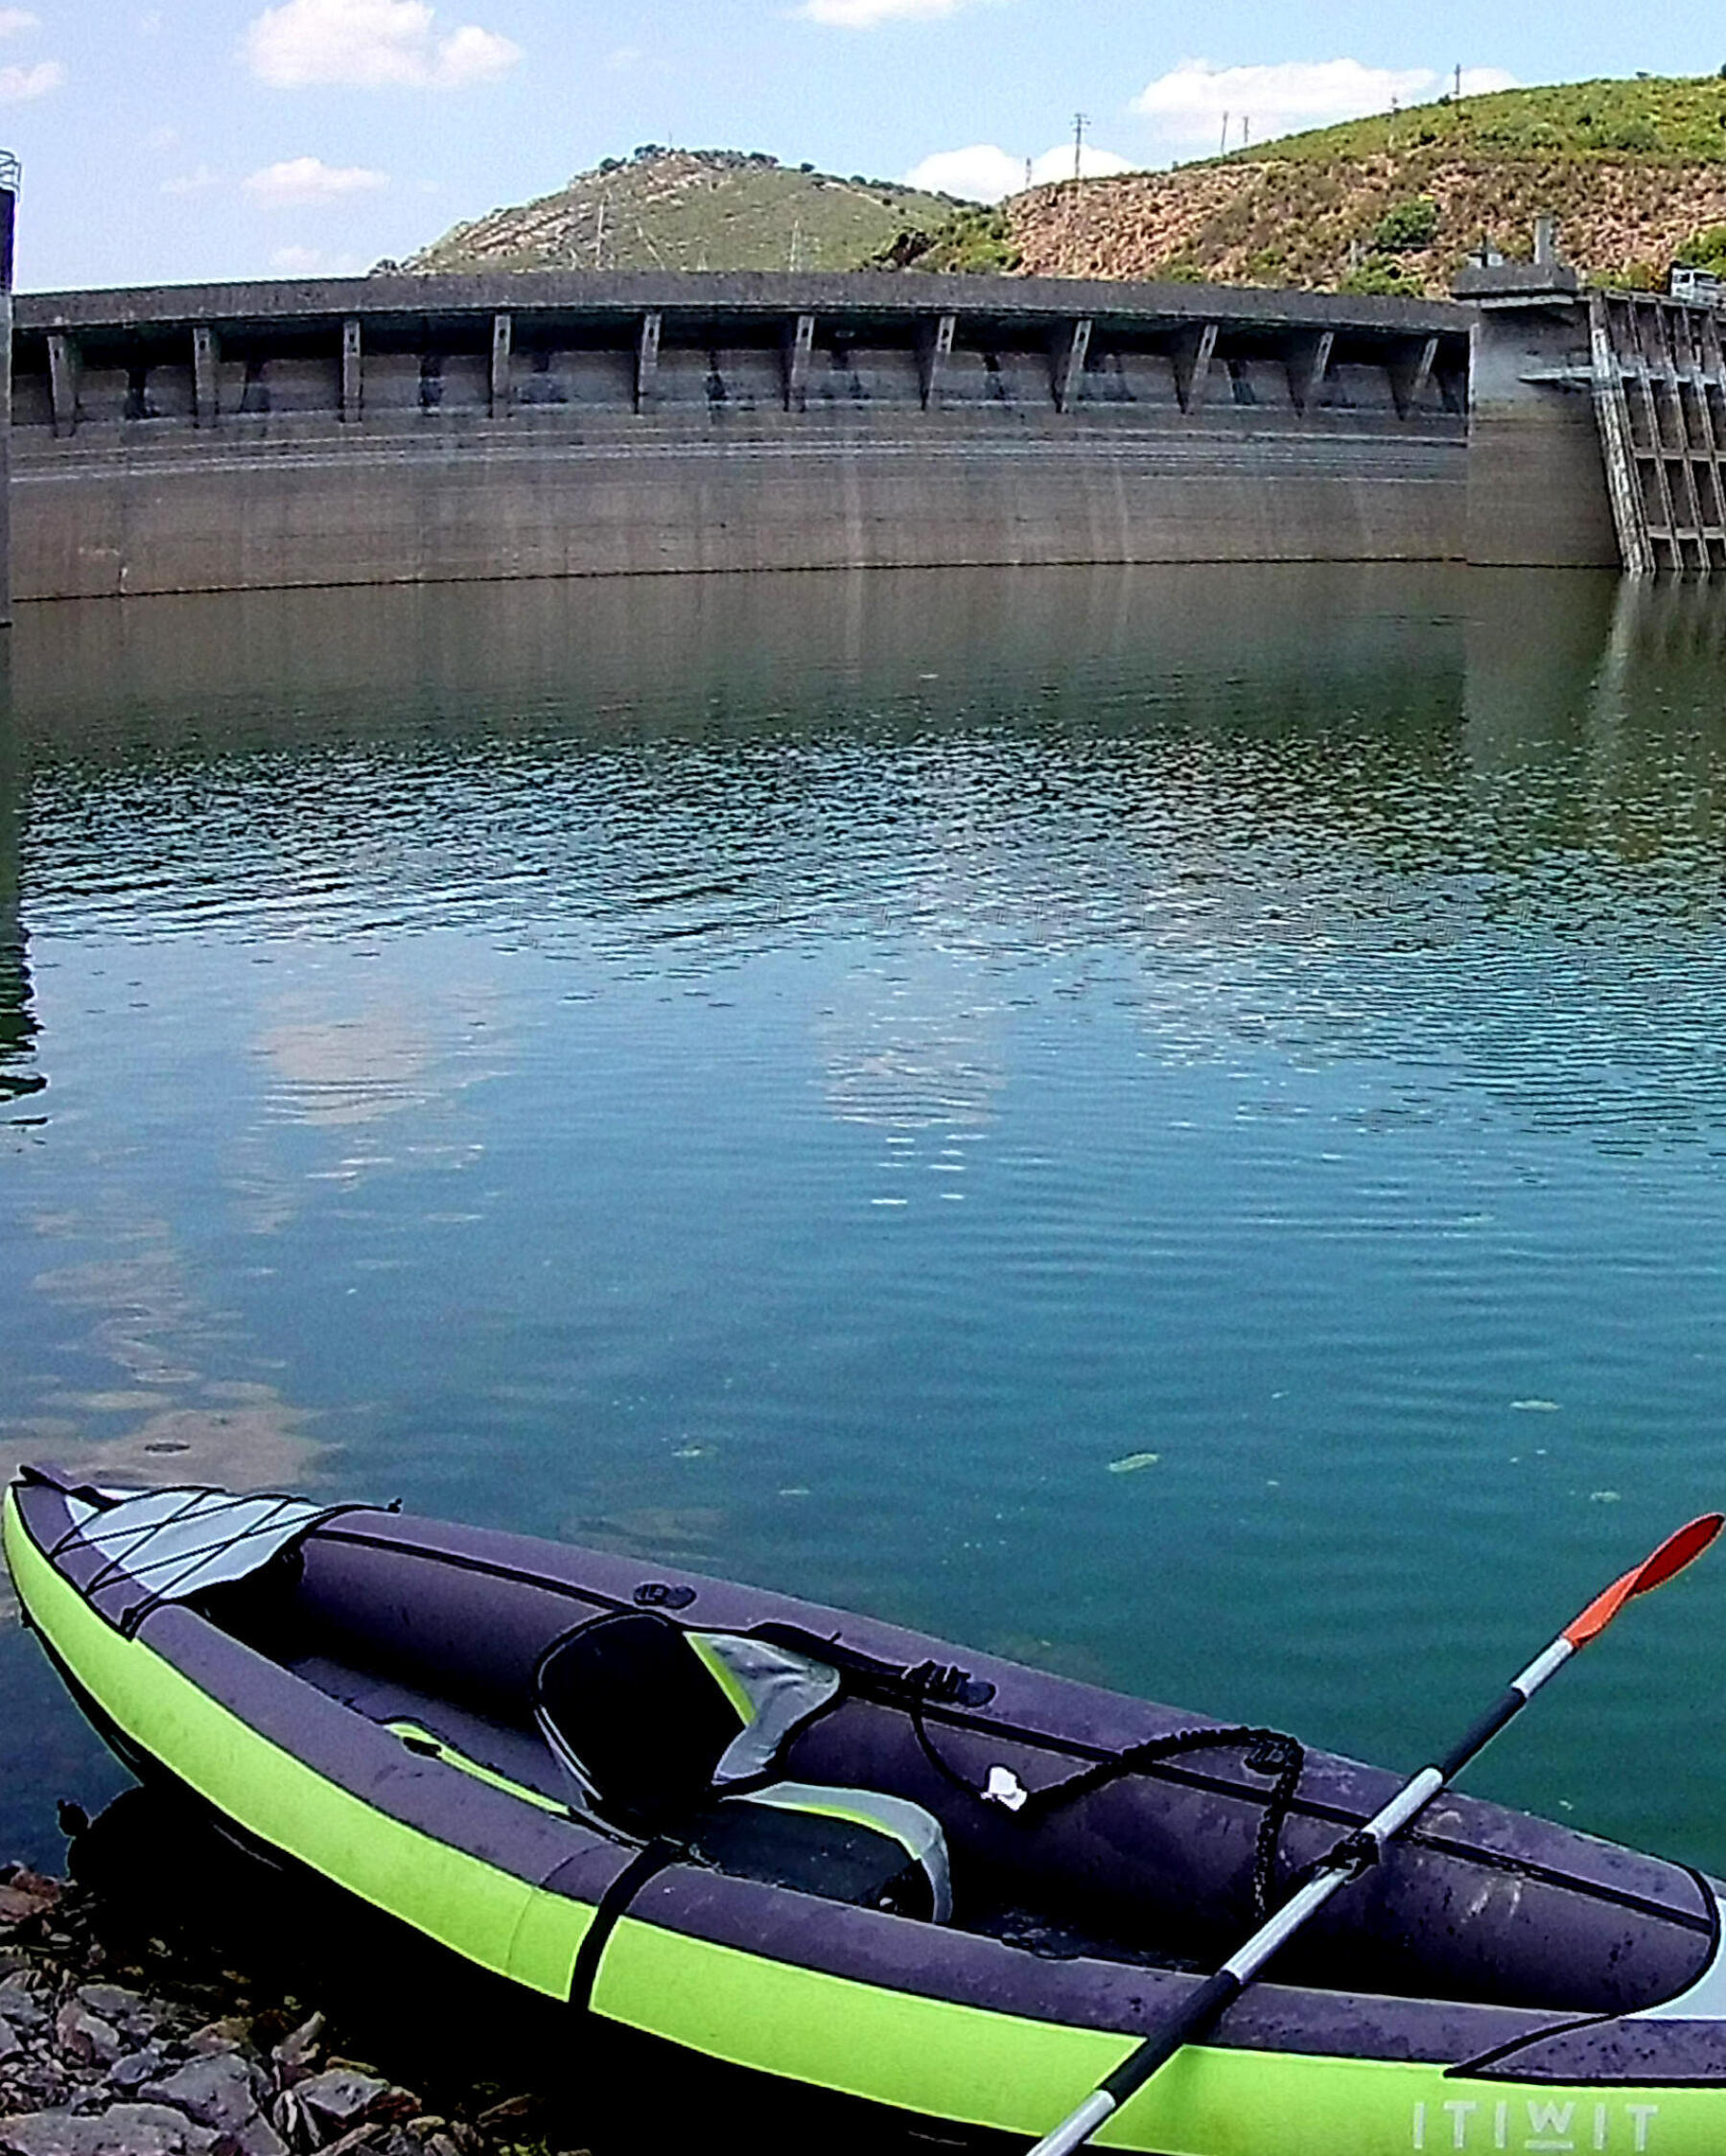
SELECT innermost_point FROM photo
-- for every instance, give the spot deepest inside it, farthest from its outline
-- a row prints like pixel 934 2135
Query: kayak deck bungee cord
pixel 851 1857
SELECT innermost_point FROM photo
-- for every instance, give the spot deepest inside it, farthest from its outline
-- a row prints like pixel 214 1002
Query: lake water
pixel 1170 1123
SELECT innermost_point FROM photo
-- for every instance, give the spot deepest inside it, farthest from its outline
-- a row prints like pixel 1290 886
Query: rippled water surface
pixel 1169 1123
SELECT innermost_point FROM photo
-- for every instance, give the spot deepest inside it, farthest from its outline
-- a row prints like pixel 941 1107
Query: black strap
pixel 612 1903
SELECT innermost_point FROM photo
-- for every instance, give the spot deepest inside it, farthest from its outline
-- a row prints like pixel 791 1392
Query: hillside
pixel 1634 170
pixel 692 209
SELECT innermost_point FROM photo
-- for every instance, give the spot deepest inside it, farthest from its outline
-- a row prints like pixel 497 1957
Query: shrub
pixel 1405 227
pixel 1633 276
pixel 1389 280
pixel 975 242
pixel 1705 251
pixel 1633 135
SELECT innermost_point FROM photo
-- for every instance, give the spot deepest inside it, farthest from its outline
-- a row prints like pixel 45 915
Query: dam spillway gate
pixel 1658 380
pixel 395 429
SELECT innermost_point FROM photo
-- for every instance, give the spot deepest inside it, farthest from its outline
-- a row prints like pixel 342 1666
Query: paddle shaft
pixel 1219 1991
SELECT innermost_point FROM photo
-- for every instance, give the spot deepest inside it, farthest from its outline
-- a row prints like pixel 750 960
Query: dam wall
pixel 398 428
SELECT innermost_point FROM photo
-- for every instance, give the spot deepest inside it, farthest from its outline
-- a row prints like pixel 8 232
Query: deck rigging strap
pixel 1265 1752
pixel 1268 1752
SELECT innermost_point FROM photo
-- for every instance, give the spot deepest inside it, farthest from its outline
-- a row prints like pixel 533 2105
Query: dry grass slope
pixel 1633 170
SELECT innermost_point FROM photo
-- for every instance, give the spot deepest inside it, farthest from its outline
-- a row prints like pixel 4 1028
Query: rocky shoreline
pixel 114 2042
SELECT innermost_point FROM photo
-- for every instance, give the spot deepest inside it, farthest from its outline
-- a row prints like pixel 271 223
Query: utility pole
pixel 1081 121
pixel 600 235
pixel 1223 150
pixel 1459 88
pixel 1245 131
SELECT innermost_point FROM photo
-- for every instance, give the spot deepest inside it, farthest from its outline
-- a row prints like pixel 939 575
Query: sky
pixel 170 141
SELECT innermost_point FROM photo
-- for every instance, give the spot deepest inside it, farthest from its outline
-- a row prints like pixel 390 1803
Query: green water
pixel 1170 1123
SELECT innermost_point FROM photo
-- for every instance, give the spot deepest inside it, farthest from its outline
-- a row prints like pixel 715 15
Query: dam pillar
pixel 1537 492
pixel 1410 373
pixel 205 404
pixel 934 348
pixel 353 371
pixel 799 345
pixel 62 384
pixel 502 328
pixel 1308 363
pixel 1193 347
pixel 647 349
pixel 1070 347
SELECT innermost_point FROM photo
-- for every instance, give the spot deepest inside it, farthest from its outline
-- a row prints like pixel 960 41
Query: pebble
pixel 341 2095
pixel 89 2067
pixel 121 2130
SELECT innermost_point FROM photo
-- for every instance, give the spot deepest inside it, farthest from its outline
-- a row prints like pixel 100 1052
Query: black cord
pixel 1266 1751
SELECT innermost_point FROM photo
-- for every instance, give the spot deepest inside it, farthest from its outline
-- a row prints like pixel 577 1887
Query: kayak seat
pixel 670 1734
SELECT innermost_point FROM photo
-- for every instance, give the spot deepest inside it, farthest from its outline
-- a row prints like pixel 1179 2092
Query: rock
pixel 26 1897
pixel 292 2121
pixel 129 2011
pixel 221 2092
pixel 294 2053
pixel 19 2004
pixel 225 2035
pixel 509 2112
pixel 86 2037
pixel 358 2136
pixel 139 2067
pixel 123 2130
pixel 226 2094
pixel 341 2095
pixel 9 2039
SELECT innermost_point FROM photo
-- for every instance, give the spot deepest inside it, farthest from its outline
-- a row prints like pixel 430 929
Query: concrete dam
pixel 398 428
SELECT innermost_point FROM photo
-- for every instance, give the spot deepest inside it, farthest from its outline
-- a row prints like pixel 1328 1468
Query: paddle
pixel 1345 1862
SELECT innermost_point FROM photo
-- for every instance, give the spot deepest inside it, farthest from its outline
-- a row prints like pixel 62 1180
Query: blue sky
pixel 166 140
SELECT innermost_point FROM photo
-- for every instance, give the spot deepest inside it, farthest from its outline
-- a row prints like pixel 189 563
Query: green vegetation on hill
pixel 1634 170
pixel 973 241
pixel 693 209
pixel 1682 118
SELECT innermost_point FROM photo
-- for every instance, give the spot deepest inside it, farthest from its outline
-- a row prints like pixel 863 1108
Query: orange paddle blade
pixel 1672 1555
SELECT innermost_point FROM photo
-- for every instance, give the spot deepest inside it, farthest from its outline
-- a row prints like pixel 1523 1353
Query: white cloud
pixel 196 183
pixel 19 84
pixel 869 14
pixel 985 172
pixel 311 262
pixel 15 21
pixel 370 44
pixel 1189 103
pixel 301 183
pixel 151 24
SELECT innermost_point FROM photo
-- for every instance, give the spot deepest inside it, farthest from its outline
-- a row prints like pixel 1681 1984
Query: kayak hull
pixel 935 2023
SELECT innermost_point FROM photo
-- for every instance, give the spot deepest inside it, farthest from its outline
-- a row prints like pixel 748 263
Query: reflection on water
pixel 805 1075
pixel 17 1027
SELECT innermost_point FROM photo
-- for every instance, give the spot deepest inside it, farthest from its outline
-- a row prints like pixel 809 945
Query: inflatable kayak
pixel 852 1858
